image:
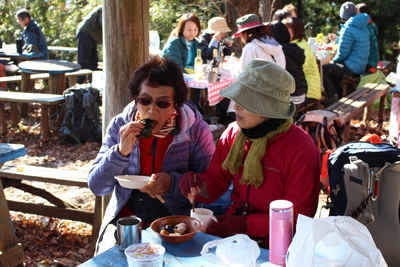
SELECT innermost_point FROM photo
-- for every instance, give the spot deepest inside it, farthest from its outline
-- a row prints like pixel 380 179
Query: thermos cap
pixel 281 205
pixel 281 209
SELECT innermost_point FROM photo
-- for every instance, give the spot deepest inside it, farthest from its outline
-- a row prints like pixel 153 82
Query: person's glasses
pixel 161 103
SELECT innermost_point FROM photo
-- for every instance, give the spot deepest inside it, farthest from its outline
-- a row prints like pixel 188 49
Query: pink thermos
pixel 280 230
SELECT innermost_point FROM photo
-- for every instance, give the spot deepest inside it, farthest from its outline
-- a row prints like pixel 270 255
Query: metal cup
pixel 212 76
pixel 129 231
pixel 19 44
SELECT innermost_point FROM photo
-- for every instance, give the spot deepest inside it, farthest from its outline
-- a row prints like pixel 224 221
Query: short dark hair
pixel 281 33
pixel 178 31
pixel 364 8
pixel 258 33
pixel 298 28
pixel 156 72
pixel 23 14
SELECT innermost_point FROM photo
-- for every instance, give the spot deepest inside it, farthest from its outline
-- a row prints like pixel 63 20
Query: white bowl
pixel 133 181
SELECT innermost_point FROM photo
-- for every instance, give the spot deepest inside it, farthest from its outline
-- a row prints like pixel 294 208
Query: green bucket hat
pixel 263 89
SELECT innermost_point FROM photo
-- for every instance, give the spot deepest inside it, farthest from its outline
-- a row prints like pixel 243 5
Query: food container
pixel 145 255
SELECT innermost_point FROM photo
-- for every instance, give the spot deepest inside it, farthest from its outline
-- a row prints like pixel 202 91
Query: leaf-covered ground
pixel 52 241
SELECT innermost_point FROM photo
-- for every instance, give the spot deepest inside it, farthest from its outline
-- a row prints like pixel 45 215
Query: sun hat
pixel 217 24
pixel 348 10
pixel 263 89
pixel 247 22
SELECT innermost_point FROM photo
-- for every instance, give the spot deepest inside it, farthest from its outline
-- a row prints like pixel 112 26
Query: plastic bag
pixel 237 250
pixel 332 242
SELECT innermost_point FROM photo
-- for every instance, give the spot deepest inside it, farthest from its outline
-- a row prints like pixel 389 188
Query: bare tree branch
pixel 272 9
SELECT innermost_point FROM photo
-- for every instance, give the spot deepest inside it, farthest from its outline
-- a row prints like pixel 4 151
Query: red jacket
pixel 291 172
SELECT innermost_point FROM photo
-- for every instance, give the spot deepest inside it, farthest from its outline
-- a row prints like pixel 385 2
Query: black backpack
pixel 81 115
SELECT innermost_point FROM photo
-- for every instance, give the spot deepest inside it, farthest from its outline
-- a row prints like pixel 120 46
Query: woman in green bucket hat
pixel 263 154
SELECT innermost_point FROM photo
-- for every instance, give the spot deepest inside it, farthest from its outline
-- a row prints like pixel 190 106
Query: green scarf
pixel 252 167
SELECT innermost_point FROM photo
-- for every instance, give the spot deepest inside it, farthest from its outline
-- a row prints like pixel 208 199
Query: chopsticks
pixel 194 200
pixel 161 199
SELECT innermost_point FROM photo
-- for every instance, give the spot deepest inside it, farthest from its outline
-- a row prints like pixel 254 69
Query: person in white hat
pixel 263 154
pixel 215 33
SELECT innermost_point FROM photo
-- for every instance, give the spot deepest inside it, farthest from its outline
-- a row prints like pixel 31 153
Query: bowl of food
pixel 175 229
pixel 133 181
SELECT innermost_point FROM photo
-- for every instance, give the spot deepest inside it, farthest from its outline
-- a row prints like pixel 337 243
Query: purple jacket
pixel 190 150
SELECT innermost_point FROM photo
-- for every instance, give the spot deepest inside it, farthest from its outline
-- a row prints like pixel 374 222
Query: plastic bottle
pixel 280 230
pixel 198 63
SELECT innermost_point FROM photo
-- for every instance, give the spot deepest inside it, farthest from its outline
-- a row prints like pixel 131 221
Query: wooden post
pixel 14 114
pixel 3 119
pixel 12 253
pixel 57 85
pixel 25 87
pixel 124 22
pixel 45 121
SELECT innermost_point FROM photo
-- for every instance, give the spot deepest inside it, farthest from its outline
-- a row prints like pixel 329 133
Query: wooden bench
pixel 349 80
pixel 13 175
pixel 361 99
pixel 46 101
pixel 45 76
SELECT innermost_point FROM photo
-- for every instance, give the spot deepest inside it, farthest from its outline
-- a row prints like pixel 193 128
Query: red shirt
pixel 146 160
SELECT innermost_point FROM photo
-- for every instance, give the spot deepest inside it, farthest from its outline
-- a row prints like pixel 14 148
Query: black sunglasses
pixel 145 102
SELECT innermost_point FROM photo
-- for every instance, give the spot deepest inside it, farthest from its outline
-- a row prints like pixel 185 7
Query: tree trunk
pixel 126 46
pixel 268 9
pixel 235 9
pixel 126 25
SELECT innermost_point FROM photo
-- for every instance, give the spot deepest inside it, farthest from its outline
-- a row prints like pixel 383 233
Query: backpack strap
pixel 87 105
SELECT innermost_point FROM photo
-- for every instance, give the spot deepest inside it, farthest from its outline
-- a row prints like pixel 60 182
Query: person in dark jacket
pixel 295 59
pixel 352 53
pixel 373 58
pixel 32 34
pixel 180 141
pixel 210 39
pixel 89 34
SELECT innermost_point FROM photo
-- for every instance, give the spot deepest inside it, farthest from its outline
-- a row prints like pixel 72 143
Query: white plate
pixel 133 181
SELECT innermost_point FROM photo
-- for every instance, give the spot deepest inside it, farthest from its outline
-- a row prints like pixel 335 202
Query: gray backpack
pixel 81 121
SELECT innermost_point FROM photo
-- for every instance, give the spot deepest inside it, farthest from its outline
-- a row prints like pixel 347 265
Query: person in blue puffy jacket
pixel 180 141
pixel 352 54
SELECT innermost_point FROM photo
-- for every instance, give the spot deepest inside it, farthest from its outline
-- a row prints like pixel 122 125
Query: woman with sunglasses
pixel 180 142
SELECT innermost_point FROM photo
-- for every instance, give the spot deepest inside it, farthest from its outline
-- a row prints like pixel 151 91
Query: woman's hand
pixel 218 36
pixel 161 185
pixel 333 37
pixel 190 185
pixel 127 136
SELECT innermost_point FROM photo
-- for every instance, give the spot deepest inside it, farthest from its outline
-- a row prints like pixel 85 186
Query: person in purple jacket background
pixel 180 142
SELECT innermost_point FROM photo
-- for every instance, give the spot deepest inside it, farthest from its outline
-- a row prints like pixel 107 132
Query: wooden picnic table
pixel 11 253
pixel 46 100
pixel 184 254
pixel 56 69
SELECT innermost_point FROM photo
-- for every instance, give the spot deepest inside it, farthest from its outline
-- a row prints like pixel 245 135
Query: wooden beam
pixel 13 256
pixel 64 213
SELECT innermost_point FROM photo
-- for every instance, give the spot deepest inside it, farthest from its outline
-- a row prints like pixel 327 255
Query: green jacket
pixel 310 68
pixel 177 51
pixel 92 25
pixel 373 58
